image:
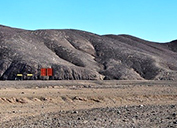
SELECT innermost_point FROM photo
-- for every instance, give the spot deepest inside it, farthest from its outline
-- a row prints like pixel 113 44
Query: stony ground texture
pixel 90 104
pixel 158 116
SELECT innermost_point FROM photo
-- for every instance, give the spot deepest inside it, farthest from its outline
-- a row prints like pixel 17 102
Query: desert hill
pixel 75 54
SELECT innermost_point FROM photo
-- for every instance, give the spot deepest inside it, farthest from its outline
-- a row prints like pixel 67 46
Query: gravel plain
pixel 152 116
pixel 89 104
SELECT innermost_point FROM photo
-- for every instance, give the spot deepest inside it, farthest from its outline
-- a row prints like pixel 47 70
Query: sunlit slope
pixel 75 54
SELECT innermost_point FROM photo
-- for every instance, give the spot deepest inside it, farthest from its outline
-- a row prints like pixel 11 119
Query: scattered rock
pixel 75 112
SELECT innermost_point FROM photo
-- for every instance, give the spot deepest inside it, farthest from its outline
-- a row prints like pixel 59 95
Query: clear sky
pixel 154 20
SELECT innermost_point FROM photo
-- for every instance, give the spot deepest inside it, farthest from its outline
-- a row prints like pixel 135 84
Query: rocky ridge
pixel 80 55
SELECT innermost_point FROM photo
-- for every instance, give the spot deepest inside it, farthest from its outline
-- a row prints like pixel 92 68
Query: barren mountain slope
pixel 75 54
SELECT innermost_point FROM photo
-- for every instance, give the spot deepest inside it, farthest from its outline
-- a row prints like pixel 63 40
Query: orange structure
pixel 43 72
pixel 46 72
pixel 49 72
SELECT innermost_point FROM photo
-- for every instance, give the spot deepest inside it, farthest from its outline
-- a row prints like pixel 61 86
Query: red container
pixel 49 72
pixel 43 72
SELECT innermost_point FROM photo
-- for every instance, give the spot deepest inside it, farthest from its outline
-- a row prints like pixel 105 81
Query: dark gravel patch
pixel 159 116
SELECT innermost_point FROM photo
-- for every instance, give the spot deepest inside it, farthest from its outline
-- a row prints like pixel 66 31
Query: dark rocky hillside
pixel 75 54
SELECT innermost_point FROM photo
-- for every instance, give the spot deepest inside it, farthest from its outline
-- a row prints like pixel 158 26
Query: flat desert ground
pixel 92 104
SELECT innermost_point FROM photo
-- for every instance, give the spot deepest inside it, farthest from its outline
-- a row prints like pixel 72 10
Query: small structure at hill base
pixel 46 72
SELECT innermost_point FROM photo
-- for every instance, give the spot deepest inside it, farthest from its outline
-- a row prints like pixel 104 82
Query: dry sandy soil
pixel 43 104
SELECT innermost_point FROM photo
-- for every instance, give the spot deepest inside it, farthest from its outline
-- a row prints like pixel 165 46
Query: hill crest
pixel 75 54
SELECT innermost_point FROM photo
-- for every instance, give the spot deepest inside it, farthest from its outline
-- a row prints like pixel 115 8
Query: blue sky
pixel 154 20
